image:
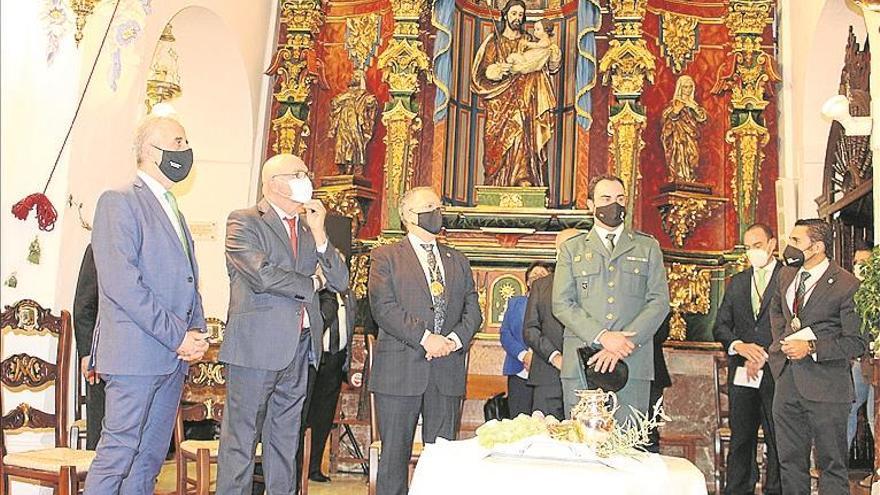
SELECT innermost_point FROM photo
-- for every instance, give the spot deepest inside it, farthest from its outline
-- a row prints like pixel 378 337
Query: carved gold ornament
pixel 24 370
pixel 678 40
pixel 401 64
pixel 748 17
pixel 511 200
pixel 746 156
pixel 400 142
pixel 681 215
pixel 290 134
pixel 689 291
pixel 628 9
pixel 362 37
pixel 345 203
pixel 360 273
pixel 208 374
pixel 627 64
pixel 625 128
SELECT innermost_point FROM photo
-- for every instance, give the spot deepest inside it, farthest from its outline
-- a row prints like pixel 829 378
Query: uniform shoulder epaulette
pixel 643 234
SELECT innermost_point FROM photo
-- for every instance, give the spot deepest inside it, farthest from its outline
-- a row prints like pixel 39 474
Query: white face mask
pixel 758 257
pixel 859 271
pixel 300 190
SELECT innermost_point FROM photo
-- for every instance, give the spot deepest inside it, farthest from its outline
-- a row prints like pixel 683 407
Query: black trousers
pixel 548 399
pixel 94 413
pixel 799 424
pixel 751 408
pixel 519 396
pixel 324 394
pixel 654 434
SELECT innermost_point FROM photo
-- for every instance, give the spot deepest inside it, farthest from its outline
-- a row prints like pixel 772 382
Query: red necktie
pixel 293 245
pixel 293 235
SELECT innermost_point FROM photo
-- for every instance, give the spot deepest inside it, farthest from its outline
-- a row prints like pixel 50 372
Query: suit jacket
pixel 830 313
pixel 85 304
pixel 148 294
pixel 269 289
pixel 622 291
pixel 330 315
pixel 661 372
pixel 542 332
pixel 403 309
pixel 736 319
pixel 512 334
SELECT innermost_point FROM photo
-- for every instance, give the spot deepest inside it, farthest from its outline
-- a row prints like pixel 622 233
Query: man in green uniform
pixel 610 292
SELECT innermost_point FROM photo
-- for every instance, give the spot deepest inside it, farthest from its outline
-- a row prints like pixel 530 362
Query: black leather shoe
pixel 319 477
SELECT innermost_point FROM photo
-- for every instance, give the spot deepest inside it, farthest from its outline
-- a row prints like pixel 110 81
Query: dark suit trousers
pixel 800 422
pixel 137 432
pixel 398 416
pixel 750 409
pixel 519 396
pixel 262 405
pixel 548 399
pixel 94 414
pixel 324 387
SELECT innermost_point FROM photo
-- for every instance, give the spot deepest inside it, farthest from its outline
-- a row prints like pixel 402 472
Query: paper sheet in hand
pixel 741 378
pixel 802 334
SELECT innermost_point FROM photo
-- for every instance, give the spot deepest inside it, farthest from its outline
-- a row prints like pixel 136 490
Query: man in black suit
pixel 743 328
pixel 542 332
pixel 85 313
pixel 815 338
pixel 423 298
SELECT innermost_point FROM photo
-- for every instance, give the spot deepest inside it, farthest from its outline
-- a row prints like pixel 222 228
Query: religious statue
pixel 512 72
pixel 680 133
pixel 352 119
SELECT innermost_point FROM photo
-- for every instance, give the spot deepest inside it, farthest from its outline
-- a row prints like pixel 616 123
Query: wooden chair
pixel 375 439
pixel 60 467
pixel 204 398
pixel 722 429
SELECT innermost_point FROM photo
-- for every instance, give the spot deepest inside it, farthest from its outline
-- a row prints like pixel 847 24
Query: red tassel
pixel 46 213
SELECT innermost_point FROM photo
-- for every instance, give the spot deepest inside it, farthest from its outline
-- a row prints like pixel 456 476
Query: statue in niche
pixel 511 71
pixel 352 120
pixel 680 132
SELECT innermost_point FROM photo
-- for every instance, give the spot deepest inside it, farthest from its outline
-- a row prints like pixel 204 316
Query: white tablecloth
pixel 462 467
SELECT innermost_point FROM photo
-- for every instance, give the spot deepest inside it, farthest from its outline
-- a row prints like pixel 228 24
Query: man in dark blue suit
pixel 518 356
pixel 743 328
pixel 150 317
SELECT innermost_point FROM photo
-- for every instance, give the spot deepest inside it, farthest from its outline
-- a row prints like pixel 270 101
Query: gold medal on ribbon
pixel 436 288
pixel 795 324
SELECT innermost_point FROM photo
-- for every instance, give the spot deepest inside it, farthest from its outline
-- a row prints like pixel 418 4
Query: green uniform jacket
pixel 594 290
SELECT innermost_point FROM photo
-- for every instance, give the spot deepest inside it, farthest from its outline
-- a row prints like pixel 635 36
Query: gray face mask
pixel 175 165
pixel 431 221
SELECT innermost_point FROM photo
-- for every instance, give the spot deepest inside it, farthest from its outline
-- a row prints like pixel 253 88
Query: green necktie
pixel 172 201
pixel 760 288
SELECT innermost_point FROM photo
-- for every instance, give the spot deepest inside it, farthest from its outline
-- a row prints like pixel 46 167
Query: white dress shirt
pixel 768 270
pixel 159 191
pixel 815 274
pixel 321 249
pixel 342 325
pixel 422 255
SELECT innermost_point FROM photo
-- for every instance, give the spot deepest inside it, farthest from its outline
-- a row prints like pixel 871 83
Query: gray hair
pixel 407 198
pixel 145 130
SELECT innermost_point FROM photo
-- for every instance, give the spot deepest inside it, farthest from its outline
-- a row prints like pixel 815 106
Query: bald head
pixel 283 164
pixel 565 235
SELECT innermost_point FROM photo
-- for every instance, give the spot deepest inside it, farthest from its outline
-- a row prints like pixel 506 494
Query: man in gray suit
pixel 542 332
pixel 610 292
pixel 423 299
pixel 815 338
pixel 150 317
pixel 278 258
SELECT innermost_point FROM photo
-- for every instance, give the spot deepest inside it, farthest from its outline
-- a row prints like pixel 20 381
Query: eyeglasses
pixel 296 175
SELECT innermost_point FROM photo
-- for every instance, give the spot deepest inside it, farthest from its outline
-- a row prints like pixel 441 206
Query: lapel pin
pixel 448 255
pixel 830 280
pixel 577 258
pixel 584 285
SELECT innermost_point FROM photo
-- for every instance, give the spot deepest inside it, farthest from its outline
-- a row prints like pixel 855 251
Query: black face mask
pixel 176 165
pixel 793 256
pixel 611 214
pixel 431 221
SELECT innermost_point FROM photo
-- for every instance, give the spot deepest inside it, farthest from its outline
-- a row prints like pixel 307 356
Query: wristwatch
pixel 812 344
